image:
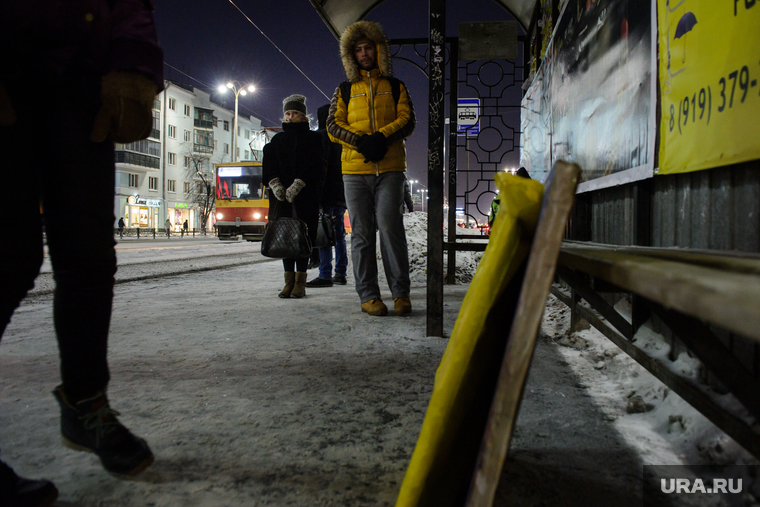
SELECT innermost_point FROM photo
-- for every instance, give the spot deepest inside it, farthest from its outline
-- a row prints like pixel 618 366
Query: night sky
pixel 212 42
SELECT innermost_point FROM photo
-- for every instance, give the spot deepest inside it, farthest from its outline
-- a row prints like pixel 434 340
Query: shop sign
pixel 151 203
pixel 180 205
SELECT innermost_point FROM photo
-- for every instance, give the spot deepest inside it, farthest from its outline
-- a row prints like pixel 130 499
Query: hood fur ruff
pixel 373 32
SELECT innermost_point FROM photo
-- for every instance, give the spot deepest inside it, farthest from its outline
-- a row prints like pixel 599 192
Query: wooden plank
pixel 558 200
pixel 739 262
pixel 596 301
pixel 687 389
pixel 715 356
pixel 726 299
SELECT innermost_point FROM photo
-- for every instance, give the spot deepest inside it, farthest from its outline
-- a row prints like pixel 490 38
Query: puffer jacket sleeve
pixel 134 43
pixel 405 119
pixel 337 123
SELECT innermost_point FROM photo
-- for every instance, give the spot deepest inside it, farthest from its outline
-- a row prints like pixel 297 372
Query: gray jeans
pixel 373 204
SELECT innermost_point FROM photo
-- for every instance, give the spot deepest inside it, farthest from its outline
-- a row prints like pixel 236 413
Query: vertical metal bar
pixel 436 113
pixel 453 97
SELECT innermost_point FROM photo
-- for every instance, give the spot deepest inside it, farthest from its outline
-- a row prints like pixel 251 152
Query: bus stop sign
pixel 468 113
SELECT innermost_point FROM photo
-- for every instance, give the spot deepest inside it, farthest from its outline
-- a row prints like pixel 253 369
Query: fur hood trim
pixel 373 32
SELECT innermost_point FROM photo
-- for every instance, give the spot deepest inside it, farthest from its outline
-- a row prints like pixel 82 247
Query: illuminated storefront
pixel 180 212
pixel 142 212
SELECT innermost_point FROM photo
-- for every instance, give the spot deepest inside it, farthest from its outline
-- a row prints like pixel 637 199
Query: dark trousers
pixel 49 164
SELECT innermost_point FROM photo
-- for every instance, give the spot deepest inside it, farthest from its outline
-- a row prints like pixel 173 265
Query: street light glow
pixel 242 90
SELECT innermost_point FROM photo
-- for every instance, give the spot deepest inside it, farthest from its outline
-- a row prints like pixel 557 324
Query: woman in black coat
pixel 294 170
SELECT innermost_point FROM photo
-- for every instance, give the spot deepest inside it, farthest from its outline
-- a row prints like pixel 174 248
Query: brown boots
pixel 299 290
pixel 295 285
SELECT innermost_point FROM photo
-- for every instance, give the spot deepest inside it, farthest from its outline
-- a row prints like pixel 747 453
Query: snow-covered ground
pixel 243 395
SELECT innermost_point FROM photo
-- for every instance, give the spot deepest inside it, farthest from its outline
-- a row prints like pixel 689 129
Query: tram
pixel 242 204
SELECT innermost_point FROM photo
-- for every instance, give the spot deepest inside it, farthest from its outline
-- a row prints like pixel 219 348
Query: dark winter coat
pixel 332 192
pixel 296 153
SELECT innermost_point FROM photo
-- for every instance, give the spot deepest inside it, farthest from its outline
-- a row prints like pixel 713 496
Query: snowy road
pixel 155 258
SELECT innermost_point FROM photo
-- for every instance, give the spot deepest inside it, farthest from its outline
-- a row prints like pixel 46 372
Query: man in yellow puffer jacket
pixel 372 123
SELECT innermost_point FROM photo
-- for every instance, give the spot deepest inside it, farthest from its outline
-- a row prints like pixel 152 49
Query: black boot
pixel 16 491
pixel 90 425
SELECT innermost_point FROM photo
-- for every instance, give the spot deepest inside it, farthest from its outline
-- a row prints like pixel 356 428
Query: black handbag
pixel 325 231
pixel 286 238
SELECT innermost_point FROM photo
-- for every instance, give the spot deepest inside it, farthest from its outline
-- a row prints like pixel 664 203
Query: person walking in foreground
pixel 103 60
pixel 370 115
pixel 293 169
pixel 333 203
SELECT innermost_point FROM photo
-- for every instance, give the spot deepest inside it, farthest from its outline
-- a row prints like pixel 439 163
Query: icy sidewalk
pixel 248 399
pixel 245 398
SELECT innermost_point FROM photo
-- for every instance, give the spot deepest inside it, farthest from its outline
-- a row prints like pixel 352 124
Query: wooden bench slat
pixel 728 299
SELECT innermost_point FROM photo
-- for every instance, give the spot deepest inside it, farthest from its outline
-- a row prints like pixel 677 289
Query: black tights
pixel 299 265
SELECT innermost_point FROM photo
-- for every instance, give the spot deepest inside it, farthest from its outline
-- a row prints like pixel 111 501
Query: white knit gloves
pixel 292 191
pixel 277 189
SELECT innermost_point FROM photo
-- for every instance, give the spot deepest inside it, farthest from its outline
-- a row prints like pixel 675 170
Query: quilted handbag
pixel 286 238
pixel 325 231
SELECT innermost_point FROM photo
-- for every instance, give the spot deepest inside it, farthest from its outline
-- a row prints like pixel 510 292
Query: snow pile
pixel 416 225
pixel 653 419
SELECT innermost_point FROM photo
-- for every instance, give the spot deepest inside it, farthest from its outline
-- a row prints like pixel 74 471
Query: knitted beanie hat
pixel 294 102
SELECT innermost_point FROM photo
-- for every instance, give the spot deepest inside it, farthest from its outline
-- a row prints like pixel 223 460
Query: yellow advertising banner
pixel 709 83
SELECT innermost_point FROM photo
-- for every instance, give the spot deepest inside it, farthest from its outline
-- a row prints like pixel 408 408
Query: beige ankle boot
pixel 290 281
pixel 299 290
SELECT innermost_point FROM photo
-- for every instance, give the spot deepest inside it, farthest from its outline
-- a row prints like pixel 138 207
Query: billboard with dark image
pixel 591 102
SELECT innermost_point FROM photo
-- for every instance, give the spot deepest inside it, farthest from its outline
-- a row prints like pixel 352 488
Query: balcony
pixel 202 148
pixel 138 159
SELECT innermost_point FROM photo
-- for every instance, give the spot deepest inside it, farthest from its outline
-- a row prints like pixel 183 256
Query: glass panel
pixel 239 182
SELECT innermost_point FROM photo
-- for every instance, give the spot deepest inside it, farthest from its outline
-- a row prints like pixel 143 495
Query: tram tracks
pixel 44 284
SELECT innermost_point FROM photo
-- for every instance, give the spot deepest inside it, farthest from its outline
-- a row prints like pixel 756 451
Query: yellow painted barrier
pixel 434 475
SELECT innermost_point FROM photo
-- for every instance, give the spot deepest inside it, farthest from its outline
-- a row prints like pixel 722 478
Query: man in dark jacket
pixel 90 70
pixel 333 202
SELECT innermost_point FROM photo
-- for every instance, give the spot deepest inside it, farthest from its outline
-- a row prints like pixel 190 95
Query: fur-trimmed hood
pixel 373 32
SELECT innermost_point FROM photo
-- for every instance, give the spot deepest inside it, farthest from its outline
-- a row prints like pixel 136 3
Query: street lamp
pixel 411 185
pixel 239 89
pixel 422 192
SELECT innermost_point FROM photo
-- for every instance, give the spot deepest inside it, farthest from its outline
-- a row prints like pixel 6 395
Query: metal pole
pixel 436 114
pixel 234 128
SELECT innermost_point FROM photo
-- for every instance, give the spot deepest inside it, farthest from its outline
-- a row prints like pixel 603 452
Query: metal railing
pixel 145 232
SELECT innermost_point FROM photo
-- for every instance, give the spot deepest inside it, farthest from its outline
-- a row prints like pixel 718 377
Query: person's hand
pixel 277 189
pixel 373 147
pixel 7 113
pixel 292 191
pixel 126 113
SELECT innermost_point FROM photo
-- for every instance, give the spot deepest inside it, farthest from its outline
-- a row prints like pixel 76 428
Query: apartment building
pixel 170 174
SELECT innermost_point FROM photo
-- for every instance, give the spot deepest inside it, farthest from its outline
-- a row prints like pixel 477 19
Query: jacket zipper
pixel 372 115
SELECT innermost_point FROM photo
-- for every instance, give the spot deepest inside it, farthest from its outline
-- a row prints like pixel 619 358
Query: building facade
pixel 170 175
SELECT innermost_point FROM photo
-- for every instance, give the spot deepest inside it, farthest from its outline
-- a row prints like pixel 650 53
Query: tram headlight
pixel 219 216
pixel 257 216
